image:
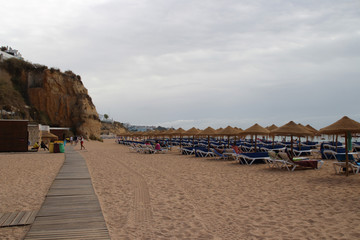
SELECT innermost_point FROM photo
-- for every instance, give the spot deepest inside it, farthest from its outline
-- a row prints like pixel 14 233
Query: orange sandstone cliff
pixel 52 97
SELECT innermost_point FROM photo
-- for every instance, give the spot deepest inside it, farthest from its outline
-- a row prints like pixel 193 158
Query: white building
pixel 10 53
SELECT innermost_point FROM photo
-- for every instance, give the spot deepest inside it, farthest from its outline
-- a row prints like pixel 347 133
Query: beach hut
pixel 345 126
pixel 291 129
pixel 255 130
pixel 13 135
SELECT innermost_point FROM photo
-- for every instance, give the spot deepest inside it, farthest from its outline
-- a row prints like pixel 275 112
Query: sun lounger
pixel 274 161
pixel 340 165
pixel 203 153
pixel 292 164
pixel 250 158
pixel 187 150
pixel 328 154
pixel 304 151
pixel 218 155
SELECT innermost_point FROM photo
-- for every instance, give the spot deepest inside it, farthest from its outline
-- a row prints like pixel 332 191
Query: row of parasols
pixel 343 127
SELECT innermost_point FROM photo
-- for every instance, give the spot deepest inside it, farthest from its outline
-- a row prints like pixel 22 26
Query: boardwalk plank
pixel 11 217
pixel 3 218
pixel 73 234
pixel 25 218
pixel 31 217
pixel 17 219
pixel 71 209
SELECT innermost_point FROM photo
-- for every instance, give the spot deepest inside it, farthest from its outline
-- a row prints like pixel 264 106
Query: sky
pixel 193 63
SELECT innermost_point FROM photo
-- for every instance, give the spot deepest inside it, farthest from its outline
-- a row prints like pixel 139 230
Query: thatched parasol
pixel 45 135
pixel 345 126
pixel 313 130
pixel 291 129
pixel 192 132
pixel 256 130
pixel 272 127
pixel 229 131
pixel 312 133
pixel 169 133
pixel 179 132
pixel 209 131
pixel 238 129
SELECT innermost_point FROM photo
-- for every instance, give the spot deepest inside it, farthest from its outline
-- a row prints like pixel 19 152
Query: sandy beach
pixel 25 178
pixel 172 196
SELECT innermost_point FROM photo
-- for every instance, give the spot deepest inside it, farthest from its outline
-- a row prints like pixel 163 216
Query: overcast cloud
pixel 199 63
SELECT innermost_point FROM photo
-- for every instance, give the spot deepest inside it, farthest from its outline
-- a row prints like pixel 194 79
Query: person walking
pixel 82 143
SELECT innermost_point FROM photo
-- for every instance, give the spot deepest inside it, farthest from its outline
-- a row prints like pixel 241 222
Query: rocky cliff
pixel 48 96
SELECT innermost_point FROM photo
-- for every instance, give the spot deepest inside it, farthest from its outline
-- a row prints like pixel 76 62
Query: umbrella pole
pixel 292 147
pixel 255 142
pixel 336 142
pixel 299 143
pixel 208 142
pixel 346 154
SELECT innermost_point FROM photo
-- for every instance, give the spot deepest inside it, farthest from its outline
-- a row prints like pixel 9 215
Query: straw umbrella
pixel 271 128
pixel 312 133
pixel 256 130
pixel 170 133
pixel 218 134
pixel 47 136
pixel 291 129
pixel 345 126
pixel 179 132
pixel 238 132
pixel 311 129
pixel 192 132
pixel 209 131
pixel 229 131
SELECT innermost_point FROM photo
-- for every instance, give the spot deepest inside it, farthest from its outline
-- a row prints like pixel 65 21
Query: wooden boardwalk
pixel 71 209
pixel 17 218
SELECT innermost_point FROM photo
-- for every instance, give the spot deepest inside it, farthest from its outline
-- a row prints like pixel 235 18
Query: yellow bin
pixel 51 147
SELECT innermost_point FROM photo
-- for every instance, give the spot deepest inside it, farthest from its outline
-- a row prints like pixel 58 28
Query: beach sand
pixel 25 179
pixel 172 196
